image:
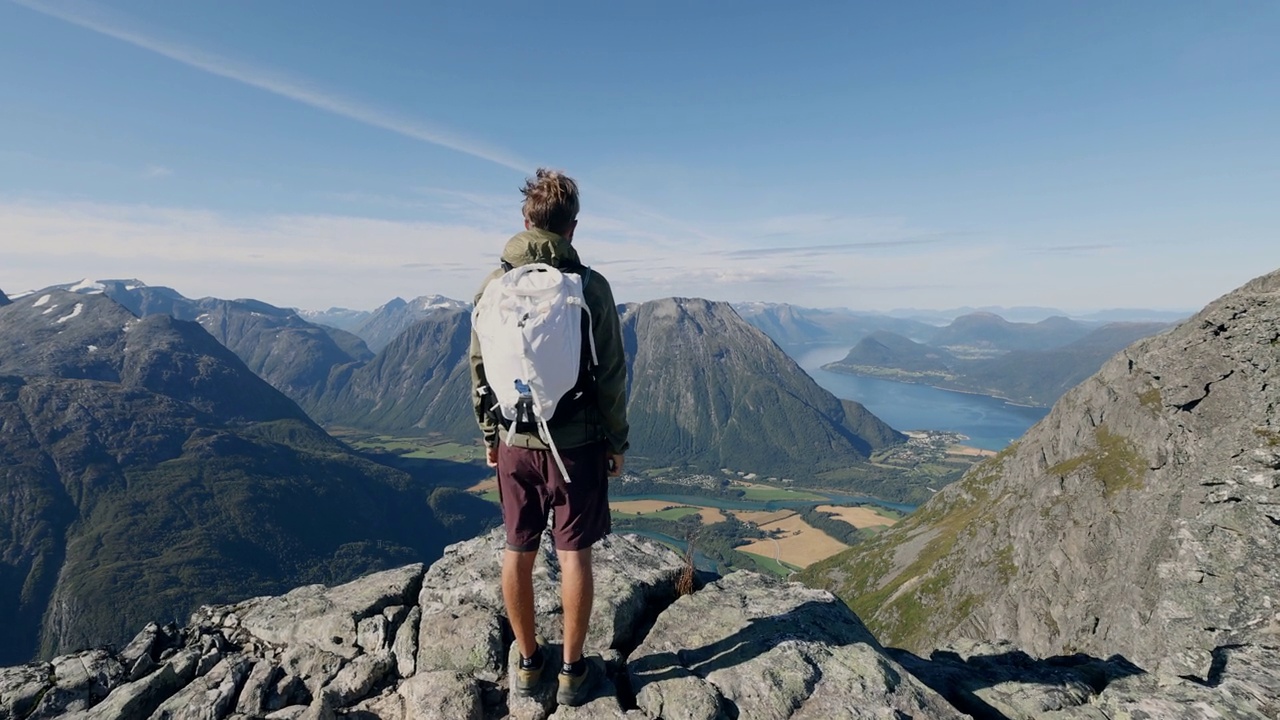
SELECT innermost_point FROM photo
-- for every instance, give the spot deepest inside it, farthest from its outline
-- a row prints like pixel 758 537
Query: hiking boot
pixel 529 673
pixel 576 689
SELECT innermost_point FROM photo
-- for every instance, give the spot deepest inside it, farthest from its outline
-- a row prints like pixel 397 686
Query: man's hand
pixel 491 456
pixel 616 461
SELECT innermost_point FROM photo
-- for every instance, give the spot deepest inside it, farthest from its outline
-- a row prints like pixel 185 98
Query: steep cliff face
pixel 420 382
pixel 382 326
pixel 1140 517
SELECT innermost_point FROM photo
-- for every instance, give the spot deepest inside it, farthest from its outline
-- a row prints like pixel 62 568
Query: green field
pixel 765 494
pixel 416 448
pixel 768 564
pixel 491 496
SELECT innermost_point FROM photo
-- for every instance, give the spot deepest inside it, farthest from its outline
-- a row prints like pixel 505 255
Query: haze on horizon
pixel 314 154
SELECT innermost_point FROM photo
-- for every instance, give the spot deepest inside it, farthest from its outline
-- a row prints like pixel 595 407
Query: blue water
pixel 989 423
pixel 700 561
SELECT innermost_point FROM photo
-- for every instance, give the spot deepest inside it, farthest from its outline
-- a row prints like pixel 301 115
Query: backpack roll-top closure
pixel 533 281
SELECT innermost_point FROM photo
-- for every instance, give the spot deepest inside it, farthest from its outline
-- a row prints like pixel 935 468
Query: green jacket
pixel 606 421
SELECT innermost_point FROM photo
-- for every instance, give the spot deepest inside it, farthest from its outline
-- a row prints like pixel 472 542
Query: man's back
pixel 588 447
pixel 607 419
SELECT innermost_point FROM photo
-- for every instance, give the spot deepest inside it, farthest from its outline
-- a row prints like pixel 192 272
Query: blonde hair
pixel 550 200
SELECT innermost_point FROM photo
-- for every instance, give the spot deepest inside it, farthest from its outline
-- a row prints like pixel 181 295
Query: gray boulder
pixel 210 697
pixel 748 646
pixel 464 618
pixel 21 687
pixel 323 618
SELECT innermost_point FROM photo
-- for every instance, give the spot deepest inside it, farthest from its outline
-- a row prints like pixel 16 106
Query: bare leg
pixel 577 590
pixel 517 591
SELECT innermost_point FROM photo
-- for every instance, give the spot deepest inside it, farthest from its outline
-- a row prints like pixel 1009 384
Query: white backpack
pixel 529 323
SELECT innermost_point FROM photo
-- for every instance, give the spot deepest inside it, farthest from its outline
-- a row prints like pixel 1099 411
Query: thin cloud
pixel 94 18
pixel 112 24
pixel 1072 249
pixel 835 248
pixel 156 171
pixel 326 260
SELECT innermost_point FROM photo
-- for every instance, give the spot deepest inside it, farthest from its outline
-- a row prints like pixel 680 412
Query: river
pixel 990 423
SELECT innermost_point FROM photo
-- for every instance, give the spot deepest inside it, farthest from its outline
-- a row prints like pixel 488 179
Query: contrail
pixel 277 85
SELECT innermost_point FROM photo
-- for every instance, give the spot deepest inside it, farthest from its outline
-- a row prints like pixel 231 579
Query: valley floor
pixel 734 518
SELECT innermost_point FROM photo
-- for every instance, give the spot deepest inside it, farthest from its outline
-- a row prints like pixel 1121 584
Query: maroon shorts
pixel 530 487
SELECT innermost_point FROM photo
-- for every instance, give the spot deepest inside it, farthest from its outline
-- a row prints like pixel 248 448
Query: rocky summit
pixel 426 643
pixel 1140 518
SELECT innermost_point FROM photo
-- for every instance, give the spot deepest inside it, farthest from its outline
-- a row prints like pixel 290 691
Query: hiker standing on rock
pixel 550 376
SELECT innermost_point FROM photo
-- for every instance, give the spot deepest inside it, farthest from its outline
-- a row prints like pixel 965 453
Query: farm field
pixel 859 517
pixel 736 524
pixel 710 515
pixel 642 507
pixel 800 543
pixel 761 517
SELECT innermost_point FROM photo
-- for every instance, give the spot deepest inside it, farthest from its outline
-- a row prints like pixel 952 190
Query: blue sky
pixel 870 155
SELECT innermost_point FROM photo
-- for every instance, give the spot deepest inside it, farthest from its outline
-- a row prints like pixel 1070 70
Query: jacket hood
pixel 540 246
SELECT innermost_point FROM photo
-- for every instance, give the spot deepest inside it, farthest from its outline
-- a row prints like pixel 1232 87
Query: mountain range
pixel 792 325
pixel 707 391
pixel 147 470
pixel 419 382
pixel 1032 314
pixel 384 324
pixel 335 317
pixel 295 356
pixel 1031 376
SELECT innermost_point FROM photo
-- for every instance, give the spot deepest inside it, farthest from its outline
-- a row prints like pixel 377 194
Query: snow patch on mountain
pixel 75 312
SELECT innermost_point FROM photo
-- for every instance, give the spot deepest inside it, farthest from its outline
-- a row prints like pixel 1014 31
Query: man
pixel 591 442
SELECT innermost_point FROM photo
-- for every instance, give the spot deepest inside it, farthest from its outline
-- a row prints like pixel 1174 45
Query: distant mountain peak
pixel 711 390
pixel 379 328
pixel 95 287
pixel 437 302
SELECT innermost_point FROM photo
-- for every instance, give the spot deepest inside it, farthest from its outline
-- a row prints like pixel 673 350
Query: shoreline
pixel 831 367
